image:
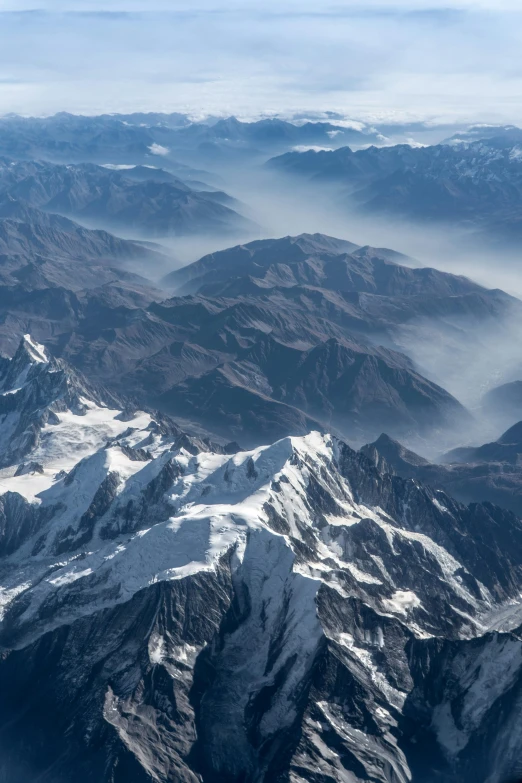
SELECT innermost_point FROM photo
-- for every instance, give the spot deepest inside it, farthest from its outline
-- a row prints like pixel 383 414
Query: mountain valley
pixel 260 507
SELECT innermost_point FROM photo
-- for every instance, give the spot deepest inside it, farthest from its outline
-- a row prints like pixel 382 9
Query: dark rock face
pixel 490 473
pixel 142 726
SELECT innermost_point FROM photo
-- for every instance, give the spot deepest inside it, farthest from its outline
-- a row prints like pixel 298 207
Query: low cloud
pixel 158 149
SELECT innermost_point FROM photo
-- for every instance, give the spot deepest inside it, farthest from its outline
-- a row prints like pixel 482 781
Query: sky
pixel 456 60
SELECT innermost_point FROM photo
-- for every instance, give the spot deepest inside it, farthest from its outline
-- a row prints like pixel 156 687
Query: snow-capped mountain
pixel 292 613
pixel 34 388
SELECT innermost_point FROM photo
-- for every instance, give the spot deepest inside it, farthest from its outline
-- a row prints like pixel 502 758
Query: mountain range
pixel 276 337
pixel 145 138
pixel 29 235
pixel 490 473
pixel 205 614
pixel 109 197
pixel 473 182
pixel 246 532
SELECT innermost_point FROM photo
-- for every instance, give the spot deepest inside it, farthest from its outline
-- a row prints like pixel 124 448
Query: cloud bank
pixel 404 59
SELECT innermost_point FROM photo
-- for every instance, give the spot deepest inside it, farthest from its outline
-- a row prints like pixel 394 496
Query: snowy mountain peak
pixel 38 392
pixel 301 558
pixel 36 351
pixel 18 371
pixel 149 511
pixel 295 590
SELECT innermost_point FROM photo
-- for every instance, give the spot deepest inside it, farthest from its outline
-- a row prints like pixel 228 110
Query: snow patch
pixel 7 596
pixel 310 148
pixel 118 166
pixel 402 602
pixel 157 649
pixel 439 506
pixel 69 578
pixel 37 352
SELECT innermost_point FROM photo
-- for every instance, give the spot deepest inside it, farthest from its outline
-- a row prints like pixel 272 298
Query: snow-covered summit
pixel 306 596
pixel 148 510
pixel 36 351
pixel 16 373
pixel 35 389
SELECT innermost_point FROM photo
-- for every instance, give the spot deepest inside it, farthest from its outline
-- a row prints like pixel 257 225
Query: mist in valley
pixel 283 206
pixel 466 357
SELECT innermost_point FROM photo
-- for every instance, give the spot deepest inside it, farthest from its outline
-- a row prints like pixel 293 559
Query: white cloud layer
pixel 457 59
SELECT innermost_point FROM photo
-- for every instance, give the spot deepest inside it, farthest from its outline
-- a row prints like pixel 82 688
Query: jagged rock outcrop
pixel 490 473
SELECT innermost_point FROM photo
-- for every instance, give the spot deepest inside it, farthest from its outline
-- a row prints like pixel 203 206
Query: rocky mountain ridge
pixel 489 473
pixel 475 183
pixel 143 138
pixel 107 196
pixel 42 250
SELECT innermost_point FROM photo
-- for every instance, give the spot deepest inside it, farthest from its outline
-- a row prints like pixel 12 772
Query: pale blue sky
pixel 378 59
